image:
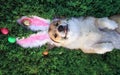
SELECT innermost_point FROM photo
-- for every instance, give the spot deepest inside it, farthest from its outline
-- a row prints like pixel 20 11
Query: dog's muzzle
pixel 64 29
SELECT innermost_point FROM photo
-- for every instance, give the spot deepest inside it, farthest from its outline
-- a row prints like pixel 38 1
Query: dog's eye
pixel 49 29
pixel 55 35
pixel 56 24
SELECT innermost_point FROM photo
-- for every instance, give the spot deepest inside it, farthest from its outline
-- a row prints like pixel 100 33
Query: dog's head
pixel 58 30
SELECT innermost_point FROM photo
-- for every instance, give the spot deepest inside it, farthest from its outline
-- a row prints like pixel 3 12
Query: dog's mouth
pixel 66 31
pixel 63 30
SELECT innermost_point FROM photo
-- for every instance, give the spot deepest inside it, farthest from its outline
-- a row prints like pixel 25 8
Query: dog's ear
pixel 57 20
pixel 62 17
pixel 59 17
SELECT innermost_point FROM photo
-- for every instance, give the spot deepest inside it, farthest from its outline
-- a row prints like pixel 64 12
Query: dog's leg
pixel 99 48
pixel 103 23
pixel 102 48
pixel 116 18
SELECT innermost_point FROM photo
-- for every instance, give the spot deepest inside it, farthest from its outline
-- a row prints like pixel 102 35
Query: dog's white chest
pixel 82 33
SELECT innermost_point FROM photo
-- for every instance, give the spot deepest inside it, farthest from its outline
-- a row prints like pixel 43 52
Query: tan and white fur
pixel 90 34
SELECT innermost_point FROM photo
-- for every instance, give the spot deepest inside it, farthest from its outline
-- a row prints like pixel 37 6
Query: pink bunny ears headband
pixel 34 23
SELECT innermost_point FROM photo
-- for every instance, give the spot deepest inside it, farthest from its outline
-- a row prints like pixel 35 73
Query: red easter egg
pixel 4 31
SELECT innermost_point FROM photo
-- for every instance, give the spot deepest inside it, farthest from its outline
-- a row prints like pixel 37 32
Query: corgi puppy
pixel 90 34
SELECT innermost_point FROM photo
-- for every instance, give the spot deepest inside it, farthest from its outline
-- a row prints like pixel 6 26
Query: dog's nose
pixel 60 28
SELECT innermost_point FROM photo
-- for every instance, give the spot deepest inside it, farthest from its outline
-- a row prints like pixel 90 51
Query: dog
pixel 89 34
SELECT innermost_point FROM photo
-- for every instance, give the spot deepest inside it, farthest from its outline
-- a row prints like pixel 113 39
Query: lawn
pixel 15 60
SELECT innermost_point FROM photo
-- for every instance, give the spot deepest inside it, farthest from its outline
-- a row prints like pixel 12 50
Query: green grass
pixel 15 60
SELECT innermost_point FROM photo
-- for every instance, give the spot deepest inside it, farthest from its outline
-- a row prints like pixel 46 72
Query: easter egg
pixel 4 31
pixel 26 22
pixel 11 39
pixel 45 53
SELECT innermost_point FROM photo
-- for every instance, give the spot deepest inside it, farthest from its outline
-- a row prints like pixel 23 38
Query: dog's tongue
pixel 65 29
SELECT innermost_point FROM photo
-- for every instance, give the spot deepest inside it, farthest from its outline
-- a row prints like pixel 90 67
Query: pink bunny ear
pixel 34 23
pixel 34 40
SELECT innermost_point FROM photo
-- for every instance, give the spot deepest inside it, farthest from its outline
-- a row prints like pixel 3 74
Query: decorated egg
pixel 26 22
pixel 4 31
pixel 11 39
pixel 45 53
